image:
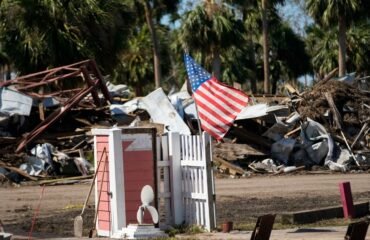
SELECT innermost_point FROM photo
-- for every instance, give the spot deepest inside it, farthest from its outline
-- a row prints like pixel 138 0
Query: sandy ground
pixel 327 233
pixel 243 200
pixel 239 200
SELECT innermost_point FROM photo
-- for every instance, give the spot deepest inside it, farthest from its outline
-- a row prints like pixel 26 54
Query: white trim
pixel 116 183
pixel 96 181
pixel 102 233
pixel 101 131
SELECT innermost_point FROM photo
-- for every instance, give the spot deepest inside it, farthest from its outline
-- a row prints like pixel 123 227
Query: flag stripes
pixel 218 104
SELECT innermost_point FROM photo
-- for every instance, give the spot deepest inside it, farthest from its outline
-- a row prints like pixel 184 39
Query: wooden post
pixel 176 183
pixel 210 210
pixel 347 201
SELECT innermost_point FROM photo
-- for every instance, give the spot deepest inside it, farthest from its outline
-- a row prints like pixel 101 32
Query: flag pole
pixel 196 110
pixel 199 126
pixel 198 119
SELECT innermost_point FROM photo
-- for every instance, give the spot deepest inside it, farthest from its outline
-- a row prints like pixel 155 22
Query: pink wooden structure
pixel 178 167
pixel 129 166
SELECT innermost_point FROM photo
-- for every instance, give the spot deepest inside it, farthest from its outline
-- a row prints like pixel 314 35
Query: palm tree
pixel 323 46
pixel 286 48
pixel 135 61
pixel 75 30
pixel 328 12
pixel 211 29
pixel 267 8
pixel 154 10
pixel 266 49
pixel 358 45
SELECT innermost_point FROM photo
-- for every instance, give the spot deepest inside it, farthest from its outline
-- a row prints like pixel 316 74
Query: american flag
pixel 218 104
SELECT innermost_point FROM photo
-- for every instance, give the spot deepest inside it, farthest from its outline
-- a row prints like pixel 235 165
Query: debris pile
pixel 326 127
pixel 46 118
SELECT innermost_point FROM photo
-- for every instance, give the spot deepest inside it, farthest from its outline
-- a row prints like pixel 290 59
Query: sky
pixel 295 15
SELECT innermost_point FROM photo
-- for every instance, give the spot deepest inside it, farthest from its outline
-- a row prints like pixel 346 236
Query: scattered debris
pixel 46 132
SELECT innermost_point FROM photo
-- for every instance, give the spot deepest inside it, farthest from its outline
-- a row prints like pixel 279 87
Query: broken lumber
pixel 233 169
pixel 249 136
pixel 16 170
pixel 61 180
pixel 327 77
pixel 338 122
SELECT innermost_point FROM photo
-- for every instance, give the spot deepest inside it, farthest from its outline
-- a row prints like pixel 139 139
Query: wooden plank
pixel 291 89
pixel 336 115
pixel 190 163
pixel 182 142
pixel 339 123
pixel 17 170
pixel 186 150
pixel 166 180
pixel 360 134
pixel 327 77
pixel 292 132
pixel 233 169
pixel 196 148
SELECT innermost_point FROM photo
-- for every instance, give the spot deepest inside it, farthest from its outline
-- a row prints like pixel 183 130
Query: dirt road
pixel 238 199
pixel 244 199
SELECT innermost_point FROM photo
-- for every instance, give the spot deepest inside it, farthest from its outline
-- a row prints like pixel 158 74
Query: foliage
pixel 323 45
pixel 242 55
pixel 210 29
pixel 44 33
pixel 327 12
pixel 136 66
pixel 38 34
pixel 136 62
pixel 341 13
pixel 288 47
pixel 188 229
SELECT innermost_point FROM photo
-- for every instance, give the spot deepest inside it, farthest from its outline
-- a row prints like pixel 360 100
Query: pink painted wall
pixel 103 183
pixel 138 172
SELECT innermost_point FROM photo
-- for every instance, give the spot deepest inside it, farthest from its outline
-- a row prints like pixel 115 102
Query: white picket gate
pixel 185 180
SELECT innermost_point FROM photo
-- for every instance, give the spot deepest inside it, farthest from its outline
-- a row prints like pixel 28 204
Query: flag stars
pixel 197 75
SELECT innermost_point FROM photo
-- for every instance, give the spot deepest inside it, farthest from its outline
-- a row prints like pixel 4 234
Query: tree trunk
pixel 254 68
pixel 216 64
pixel 342 46
pixel 266 50
pixel 8 72
pixel 274 85
pixel 139 89
pixel 156 54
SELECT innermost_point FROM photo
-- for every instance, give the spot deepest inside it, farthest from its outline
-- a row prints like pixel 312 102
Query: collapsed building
pixel 46 118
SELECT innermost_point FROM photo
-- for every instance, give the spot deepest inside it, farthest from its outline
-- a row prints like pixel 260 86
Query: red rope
pixel 35 215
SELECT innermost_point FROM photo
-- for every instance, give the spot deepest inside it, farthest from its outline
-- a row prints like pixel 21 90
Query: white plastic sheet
pixel 13 102
pixel 161 111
